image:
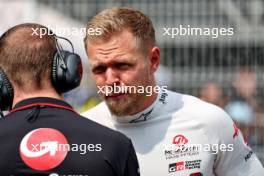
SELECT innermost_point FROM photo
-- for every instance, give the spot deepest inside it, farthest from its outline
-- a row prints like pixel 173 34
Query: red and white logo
pixel 180 166
pixel 180 140
pixel 39 149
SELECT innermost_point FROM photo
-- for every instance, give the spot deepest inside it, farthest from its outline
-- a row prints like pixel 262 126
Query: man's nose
pixel 112 77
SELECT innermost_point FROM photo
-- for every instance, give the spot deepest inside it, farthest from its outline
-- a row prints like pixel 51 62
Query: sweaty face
pixel 118 61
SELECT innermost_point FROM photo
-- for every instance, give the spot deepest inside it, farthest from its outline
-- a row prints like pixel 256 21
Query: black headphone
pixel 66 74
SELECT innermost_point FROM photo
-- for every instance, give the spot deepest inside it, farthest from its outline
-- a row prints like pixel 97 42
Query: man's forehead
pixel 108 53
pixel 123 40
pixel 111 60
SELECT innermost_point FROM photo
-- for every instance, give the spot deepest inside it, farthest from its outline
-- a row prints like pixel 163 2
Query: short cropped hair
pixel 26 58
pixel 114 20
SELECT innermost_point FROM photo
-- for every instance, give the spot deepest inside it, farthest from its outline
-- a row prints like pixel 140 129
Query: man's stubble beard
pixel 125 106
pixel 130 104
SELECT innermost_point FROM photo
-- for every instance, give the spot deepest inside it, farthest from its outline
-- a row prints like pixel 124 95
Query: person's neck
pixel 149 101
pixel 19 96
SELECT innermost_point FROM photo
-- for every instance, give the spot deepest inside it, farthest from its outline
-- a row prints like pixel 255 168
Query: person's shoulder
pixel 112 137
pixel 100 108
pixel 215 121
pixel 186 101
pixel 9 119
pixel 98 113
pixel 101 131
pixel 197 106
pixel 207 114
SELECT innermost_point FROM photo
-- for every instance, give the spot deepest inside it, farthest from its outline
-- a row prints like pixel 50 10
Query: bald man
pixel 42 134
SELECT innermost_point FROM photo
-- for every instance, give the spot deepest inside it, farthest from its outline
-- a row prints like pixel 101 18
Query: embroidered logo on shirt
pixel 180 140
pixel 163 97
pixel 143 117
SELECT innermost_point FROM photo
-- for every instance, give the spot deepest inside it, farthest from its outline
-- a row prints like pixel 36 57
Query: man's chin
pixel 120 107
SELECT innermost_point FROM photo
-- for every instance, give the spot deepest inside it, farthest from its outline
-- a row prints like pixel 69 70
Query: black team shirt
pixel 44 136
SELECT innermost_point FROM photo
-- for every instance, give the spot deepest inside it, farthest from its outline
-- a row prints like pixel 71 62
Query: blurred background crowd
pixel 227 71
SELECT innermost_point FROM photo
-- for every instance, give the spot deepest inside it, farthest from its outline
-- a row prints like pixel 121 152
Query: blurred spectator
pixel 243 107
pixel 212 93
pixel 243 103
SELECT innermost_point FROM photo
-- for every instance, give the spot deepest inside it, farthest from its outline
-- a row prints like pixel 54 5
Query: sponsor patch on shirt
pixel 248 156
pixel 180 148
pixel 184 165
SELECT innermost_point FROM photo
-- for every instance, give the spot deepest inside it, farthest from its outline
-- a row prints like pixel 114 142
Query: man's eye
pixel 99 69
pixel 123 66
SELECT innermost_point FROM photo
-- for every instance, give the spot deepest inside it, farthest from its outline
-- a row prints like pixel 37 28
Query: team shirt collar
pixel 41 100
pixel 146 114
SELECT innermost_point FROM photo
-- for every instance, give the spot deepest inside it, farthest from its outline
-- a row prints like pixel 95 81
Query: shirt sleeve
pixel 238 158
pixel 131 166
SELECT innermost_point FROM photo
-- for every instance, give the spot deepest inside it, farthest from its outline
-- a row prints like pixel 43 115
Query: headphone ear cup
pixel 6 92
pixel 73 76
pixel 67 79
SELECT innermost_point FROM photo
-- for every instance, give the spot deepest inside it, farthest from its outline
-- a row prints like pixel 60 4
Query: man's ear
pixel 154 59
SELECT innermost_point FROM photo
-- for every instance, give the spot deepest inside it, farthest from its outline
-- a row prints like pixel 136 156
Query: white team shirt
pixel 167 133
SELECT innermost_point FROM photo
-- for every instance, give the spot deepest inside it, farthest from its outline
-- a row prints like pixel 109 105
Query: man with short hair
pixel 173 134
pixel 42 134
